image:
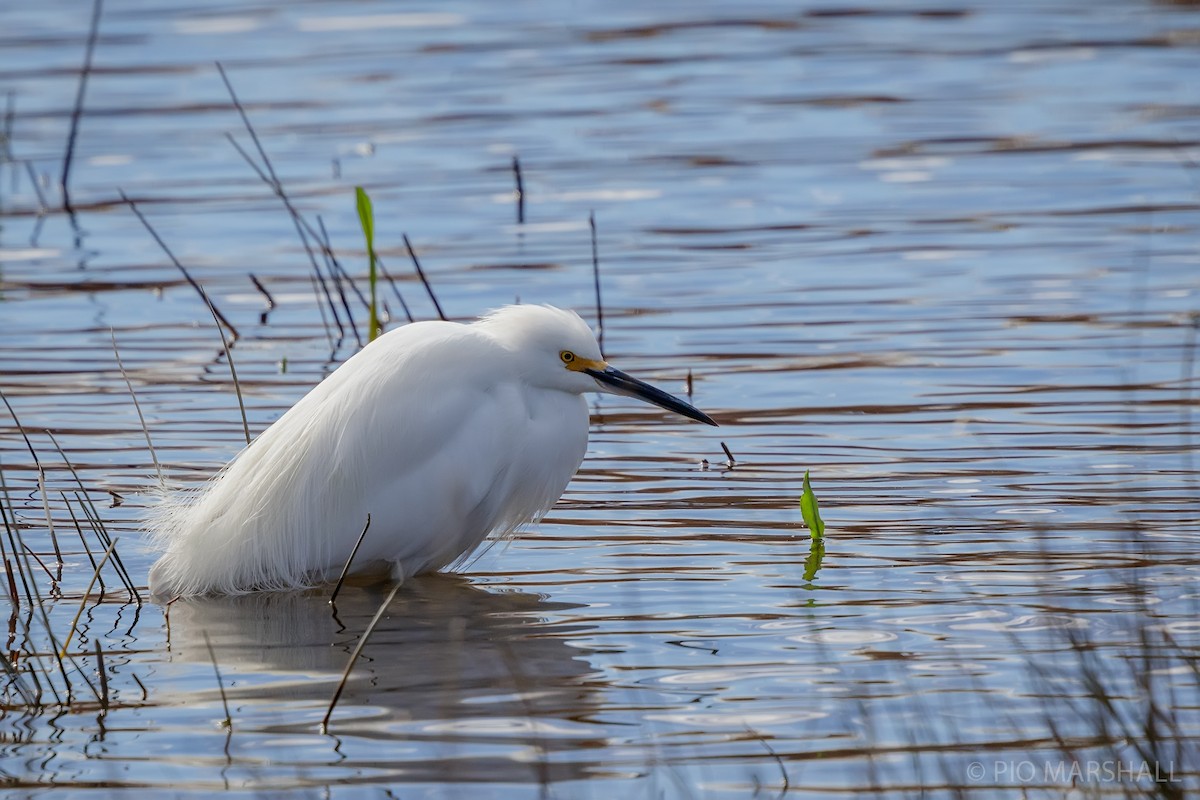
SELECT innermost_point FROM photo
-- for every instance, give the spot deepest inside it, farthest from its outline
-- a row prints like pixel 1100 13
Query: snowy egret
pixel 443 432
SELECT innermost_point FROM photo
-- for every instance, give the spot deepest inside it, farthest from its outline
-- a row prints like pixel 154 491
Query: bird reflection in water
pixel 449 658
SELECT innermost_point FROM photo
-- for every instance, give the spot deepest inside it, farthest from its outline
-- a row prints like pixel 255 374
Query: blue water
pixel 942 257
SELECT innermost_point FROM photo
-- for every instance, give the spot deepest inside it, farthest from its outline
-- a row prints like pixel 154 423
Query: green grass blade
pixel 810 510
pixel 366 216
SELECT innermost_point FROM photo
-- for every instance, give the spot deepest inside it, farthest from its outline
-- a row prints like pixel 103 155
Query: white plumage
pixel 444 433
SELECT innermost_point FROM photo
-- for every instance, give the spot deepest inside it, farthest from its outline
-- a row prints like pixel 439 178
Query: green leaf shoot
pixel 810 510
pixel 366 216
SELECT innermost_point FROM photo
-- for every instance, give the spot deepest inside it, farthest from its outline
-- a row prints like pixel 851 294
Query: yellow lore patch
pixel 579 363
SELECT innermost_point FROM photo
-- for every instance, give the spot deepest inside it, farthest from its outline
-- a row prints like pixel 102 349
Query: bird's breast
pixel 552 448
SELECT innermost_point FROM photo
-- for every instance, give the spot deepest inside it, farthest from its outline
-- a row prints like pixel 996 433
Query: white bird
pixel 443 432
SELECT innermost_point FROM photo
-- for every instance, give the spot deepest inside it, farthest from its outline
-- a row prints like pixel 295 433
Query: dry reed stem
pixel 346 569
pixel 29 552
pixel 50 525
pixel 596 283
pixel 10 116
pixel 520 190
pixel 43 206
pixel 228 721
pixel 333 264
pixel 86 593
pixel 82 538
pixel 39 604
pixel 222 319
pixel 137 407
pixel 421 274
pixel 13 595
pixel 258 285
pixel 15 540
pixel 395 289
pixel 778 761
pixel 362 642
pixel 15 679
pixel 93 516
pixel 216 315
pixel 41 475
pixel 103 676
pixel 324 321
pixel 319 284
pixel 77 111
pixel 272 180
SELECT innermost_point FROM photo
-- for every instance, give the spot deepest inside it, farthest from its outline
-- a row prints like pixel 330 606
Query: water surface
pixel 944 257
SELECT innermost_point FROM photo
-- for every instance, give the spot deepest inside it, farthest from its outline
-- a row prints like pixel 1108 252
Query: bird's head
pixel 559 351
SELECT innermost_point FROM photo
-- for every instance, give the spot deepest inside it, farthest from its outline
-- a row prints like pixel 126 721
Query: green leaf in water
pixel 366 216
pixel 816 553
pixel 810 510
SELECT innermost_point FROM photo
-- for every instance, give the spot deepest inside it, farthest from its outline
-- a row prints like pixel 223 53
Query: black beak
pixel 613 380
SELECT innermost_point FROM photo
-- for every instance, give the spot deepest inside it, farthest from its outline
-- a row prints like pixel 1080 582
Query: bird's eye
pixel 567 356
